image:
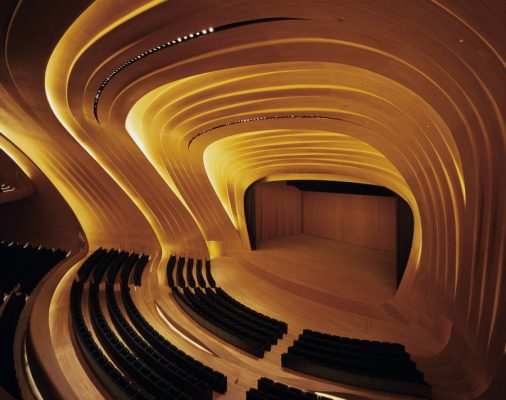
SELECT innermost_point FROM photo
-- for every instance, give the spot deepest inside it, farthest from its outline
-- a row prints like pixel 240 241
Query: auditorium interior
pixel 261 200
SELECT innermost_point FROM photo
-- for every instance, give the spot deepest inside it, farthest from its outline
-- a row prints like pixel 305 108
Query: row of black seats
pixel 392 348
pixel 209 275
pixel 233 322
pixel 216 379
pixel 169 374
pixel 219 313
pixel 185 382
pixel 139 269
pixel 220 325
pixel 118 385
pixel 8 321
pixel 124 358
pixel 374 365
pixel 177 265
pixel 25 265
pixel 267 389
pixel 230 303
pixel 102 260
pixel 125 268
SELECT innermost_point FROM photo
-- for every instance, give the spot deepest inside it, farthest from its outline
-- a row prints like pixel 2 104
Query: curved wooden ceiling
pixel 406 95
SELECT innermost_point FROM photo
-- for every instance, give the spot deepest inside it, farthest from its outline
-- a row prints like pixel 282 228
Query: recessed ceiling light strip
pixel 171 43
pixel 264 118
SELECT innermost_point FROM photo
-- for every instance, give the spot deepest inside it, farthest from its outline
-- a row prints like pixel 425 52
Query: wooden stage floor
pixel 325 272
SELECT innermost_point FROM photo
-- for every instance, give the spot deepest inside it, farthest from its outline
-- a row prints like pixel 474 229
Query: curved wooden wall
pixel 278 210
pixel 364 220
pixel 14 183
pixel 282 210
pixel 407 95
pixel 42 217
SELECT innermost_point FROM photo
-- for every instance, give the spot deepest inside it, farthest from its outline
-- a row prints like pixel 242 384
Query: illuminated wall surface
pixel 152 118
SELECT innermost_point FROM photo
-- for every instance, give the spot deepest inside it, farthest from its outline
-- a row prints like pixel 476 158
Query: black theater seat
pixel 200 277
pixel 280 326
pixel 22 267
pixel 268 389
pixel 126 269
pixel 189 273
pixel 223 316
pixel 25 265
pixel 124 357
pixel 171 265
pixel 215 379
pixel 88 265
pixel 220 325
pixel 170 371
pixel 364 363
pixel 161 374
pixel 139 269
pixel 179 272
pixel 118 385
pixel 209 275
pixel 253 324
pixel 8 322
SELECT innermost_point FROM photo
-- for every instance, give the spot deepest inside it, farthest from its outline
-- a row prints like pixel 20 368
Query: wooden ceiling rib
pixel 414 93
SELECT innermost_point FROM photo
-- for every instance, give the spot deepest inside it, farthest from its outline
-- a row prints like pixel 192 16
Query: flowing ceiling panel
pixel 409 95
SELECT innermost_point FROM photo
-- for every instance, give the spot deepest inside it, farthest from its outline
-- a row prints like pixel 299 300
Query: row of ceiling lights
pixel 261 118
pixel 142 55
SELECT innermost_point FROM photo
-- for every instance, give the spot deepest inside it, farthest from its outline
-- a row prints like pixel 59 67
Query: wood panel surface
pixel 278 209
pixel 407 95
pixel 358 219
